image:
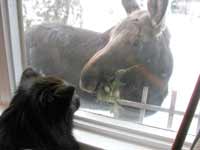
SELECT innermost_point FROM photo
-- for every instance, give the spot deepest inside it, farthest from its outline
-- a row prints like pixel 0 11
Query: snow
pixel 185 49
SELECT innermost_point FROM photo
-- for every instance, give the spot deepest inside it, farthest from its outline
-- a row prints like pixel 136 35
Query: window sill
pixel 95 141
pixel 100 132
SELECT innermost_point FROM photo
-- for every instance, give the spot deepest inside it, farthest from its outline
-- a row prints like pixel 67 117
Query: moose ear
pixel 130 5
pixel 157 10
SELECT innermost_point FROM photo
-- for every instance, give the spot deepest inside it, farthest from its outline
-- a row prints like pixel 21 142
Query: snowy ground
pixel 185 49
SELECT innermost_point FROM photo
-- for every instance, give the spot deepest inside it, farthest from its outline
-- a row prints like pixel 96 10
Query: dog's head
pixel 40 113
pixel 46 97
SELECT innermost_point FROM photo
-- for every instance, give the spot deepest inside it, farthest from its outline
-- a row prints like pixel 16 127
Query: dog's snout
pixel 77 101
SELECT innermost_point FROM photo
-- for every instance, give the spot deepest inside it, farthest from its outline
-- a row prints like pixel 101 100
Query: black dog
pixel 40 115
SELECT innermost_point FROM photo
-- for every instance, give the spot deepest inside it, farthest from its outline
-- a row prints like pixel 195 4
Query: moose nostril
pixel 89 77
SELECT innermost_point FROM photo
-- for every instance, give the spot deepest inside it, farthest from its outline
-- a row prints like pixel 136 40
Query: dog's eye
pixel 50 99
pixel 46 97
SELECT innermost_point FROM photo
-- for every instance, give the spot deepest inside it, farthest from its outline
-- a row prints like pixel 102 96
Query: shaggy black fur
pixel 40 115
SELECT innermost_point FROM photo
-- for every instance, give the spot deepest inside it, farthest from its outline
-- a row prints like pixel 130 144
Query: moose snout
pixel 89 80
pixel 88 83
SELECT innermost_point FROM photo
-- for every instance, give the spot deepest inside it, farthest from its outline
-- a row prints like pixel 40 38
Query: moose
pixel 138 47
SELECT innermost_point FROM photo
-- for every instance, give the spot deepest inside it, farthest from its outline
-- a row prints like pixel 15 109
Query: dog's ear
pixel 65 93
pixel 29 73
pixel 28 77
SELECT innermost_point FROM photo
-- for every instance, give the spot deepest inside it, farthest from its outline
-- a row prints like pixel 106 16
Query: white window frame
pixel 115 134
pixel 13 40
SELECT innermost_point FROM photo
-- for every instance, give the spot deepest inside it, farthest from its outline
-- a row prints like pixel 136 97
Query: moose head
pixel 139 47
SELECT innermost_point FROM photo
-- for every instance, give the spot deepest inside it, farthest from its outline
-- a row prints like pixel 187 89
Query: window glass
pixel 129 63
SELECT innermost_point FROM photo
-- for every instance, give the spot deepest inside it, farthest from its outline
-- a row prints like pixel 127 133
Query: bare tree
pixel 52 11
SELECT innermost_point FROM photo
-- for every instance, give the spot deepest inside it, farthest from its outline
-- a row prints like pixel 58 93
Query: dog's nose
pixel 77 101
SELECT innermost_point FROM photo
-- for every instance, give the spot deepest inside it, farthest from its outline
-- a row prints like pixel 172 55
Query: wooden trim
pixel 5 89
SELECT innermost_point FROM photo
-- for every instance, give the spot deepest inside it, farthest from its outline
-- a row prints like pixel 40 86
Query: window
pixel 98 20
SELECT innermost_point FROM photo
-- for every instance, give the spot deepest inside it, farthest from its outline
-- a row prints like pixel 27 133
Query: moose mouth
pixel 105 90
pixel 110 90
